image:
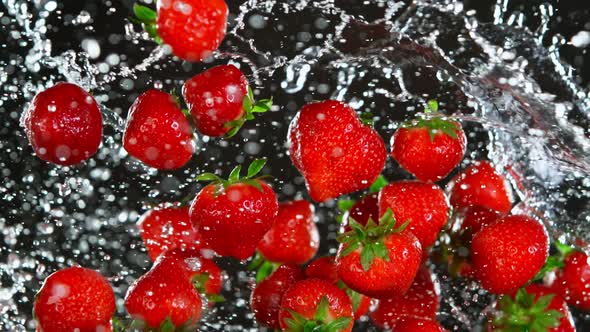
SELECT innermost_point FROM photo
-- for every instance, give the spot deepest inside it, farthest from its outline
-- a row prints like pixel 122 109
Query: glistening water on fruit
pixel 328 104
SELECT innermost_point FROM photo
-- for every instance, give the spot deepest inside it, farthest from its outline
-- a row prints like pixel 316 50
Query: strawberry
pixel 220 101
pixel 422 204
pixel 315 305
pixel 164 298
pixel 378 260
pixel 166 227
pixel 408 324
pixel 429 148
pixel 364 209
pixel 573 280
pixel 534 308
pixel 480 185
pixel 63 124
pixel 334 151
pixel 267 295
pixel 509 253
pixel 294 237
pixel 157 132
pixel 192 28
pixel 476 217
pixel 420 301
pixel 233 215
pixel 74 299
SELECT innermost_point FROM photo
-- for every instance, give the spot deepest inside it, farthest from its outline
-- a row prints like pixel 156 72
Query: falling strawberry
pixel 573 280
pixel 315 305
pixel 480 185
pixel 74 299
pixel 157 132
pixel 294 237
pixel 336 153
pixel 220 101
pixel 63 124
pixel 267 295
pixel 192 28
pixel 423 205
pixel 534 308
pixel 476 217
pixel 509 253
pixel 233 215
pixel 363 209
pixel 378 260
pixel 420 301
pixel 408 324
pixel 165 227
pixel 429 148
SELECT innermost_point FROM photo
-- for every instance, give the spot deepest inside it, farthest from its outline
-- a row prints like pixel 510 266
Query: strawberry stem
pixel 524 313
pixel 147 18
pixel 250 107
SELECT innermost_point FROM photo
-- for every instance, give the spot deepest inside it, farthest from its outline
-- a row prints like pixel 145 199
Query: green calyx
pixel 234 177
pixel 199 282
pixel 250 107
pixel 319 323
pixel 369 238
pixel 263 267
pixel 147 18
pixel 435 124
pixel 555 261
pixel 524 313
pixel 344 205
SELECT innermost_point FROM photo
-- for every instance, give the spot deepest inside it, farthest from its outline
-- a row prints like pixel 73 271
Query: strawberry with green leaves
pixel 363 209
pixel 315 305
pixel 378 260
pixel 572 275
pixel 430 148
pixel 233 215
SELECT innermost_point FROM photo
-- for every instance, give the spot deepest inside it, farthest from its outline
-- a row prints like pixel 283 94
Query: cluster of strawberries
pixel 387 238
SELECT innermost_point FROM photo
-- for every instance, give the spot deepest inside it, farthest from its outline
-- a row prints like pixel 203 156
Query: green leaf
pixel 232 132
pixel 145 14
pixel 381 250
pixel 215 298
pixel 432 106
pixel 345 204
pixel 207 177
pixel 293 325
pixel 367 118
pixel 350 249
pixel 235 174
pixel 355 298
pixel 379 183
pixel 247 104
pixel 551 264
pixel 250 93
pixel 255 167
pixel 367 257
pixel 563 248
pixel 254 183
pixel 167 326
pixel 256 262
pixel 338 325
pixel 321 313
pixel 266 269
pixel 199 281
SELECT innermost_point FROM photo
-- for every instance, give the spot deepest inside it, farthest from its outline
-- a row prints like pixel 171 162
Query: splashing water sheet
pixel 497 67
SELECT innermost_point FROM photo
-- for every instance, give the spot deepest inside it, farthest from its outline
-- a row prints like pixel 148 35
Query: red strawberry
pixel 165 228
pixel 233 215
pixel 164 297
pixel 509 253
pixel 315 303
pixel 220 101
pixel 408 324
pixel 365 208
pixel 157 132
pixel 573 281
pixel 336 153
pixel 421 301
pixel 64 124
pixel 429 148
pixel 75 299
pixel 378 260
pixel 192 28
pixel 481 185
pixel 267 295
pixel 534 308
pixel 422 204
pixel 476 217
pixel 294 237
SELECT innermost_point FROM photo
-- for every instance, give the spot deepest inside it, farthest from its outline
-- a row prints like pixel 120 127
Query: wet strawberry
pixel 233 215
pixel 429 148
pixel 336 153
pixel 294 237
pixel 422 204
pixel 74 299
pixel 509 253
pixel 63 124
pixel 157 132
pixel 408 324
pixel 476 217
pixel 365 208
pixel 573 280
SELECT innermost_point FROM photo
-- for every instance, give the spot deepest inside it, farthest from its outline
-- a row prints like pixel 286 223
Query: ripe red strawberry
pixel 294 237
pixel 74 299
pixel 420 301
pixel 267 295
pixel 408 324
pixel 164 297
pixel 63 124
pixel 573 281
pixel 476 217
pixel 315 303
pixel 365 208
pixel 534 308
pixel 429 148
pixel 481 185
pixel 157 132
pixel 378 260
pixel 165 228
pixel 509 253
pixel 220 101
pixel 192 28
pixel 422 204
pixel 336 153
pixel 233 215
